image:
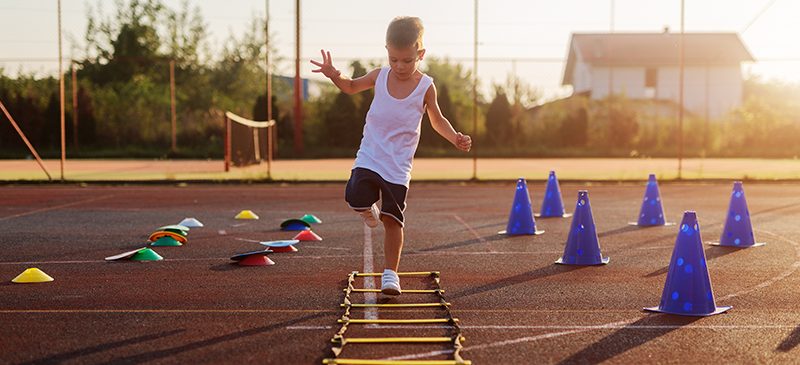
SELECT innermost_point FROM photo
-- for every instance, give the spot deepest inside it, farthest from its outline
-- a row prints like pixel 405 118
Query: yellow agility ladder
pixel 339 340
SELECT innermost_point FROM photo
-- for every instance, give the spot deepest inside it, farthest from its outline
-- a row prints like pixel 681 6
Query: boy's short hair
pixel 405 31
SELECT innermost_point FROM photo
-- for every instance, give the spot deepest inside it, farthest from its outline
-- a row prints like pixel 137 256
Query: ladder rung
pixel 393 362
pixel 396 340
pixel 394 305
pixel 400 321
pixel 413 273
pixel 405 291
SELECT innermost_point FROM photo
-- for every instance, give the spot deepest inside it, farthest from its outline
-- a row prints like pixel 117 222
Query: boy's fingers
pixel 330 61
pixel 316 63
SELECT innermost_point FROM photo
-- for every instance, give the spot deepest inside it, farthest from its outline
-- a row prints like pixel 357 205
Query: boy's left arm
pixel 441 125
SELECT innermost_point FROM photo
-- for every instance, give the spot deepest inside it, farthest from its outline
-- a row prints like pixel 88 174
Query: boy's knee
pixel 390 222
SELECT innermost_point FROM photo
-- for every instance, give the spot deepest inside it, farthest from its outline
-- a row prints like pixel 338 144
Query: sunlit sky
pixel 533 32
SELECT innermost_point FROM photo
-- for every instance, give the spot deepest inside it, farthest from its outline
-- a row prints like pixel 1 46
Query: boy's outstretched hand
pixel 326 67
pixel 463 142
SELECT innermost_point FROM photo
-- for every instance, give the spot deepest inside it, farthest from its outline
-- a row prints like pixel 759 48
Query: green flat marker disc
pixel 146 254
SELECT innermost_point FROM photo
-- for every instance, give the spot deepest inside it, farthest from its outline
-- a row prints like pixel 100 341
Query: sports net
pixel 247 141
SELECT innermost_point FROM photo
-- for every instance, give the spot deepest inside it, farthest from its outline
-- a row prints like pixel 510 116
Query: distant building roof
pixel 654 49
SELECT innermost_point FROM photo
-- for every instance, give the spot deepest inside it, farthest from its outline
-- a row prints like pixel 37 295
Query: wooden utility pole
pixel 61 95
pixel 475 92
pixel 270 135
pixel 298 102
pixel 680 96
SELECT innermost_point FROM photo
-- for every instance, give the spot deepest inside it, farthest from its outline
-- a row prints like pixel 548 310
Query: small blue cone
pixel 552 205
pixel 687 291
pixel 520 220
pixel 738 231
pixel 652 213
pixel 583 247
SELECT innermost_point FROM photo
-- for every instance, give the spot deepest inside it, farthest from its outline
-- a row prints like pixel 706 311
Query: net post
pixel 74 105
pixel 227 144
pixel 173 117
pixel 24 139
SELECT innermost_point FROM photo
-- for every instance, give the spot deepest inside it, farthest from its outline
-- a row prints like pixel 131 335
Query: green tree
pixel 574 128
pixel 498 120
pixel 459 88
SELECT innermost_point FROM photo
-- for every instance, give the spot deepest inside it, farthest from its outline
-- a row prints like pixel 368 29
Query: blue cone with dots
pixel 652 212
pixel 738 231
pixel 688 290
pixel 552 205
pixel 520 220
pixel 583 247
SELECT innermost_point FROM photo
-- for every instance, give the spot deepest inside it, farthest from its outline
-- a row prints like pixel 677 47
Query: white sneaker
pixel 371 216
pixel 390 283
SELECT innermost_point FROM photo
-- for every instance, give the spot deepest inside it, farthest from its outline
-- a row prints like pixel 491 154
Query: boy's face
pixel 404 60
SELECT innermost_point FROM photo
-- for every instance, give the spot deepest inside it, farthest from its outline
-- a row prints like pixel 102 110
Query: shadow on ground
pixel 628 338
pixel 539 273
pixel 791 341
pixel 71 355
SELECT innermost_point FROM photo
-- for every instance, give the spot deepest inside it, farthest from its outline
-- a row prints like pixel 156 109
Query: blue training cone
pixel 687 291
pixel 738 231
pixel 583 246
pixel 652 212
pixel 552 205
pixel 520 220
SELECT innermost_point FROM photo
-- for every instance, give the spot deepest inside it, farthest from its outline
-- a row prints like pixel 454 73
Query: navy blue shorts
pixel 366 187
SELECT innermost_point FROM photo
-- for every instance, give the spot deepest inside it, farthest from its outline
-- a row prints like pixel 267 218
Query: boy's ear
pixel 420 54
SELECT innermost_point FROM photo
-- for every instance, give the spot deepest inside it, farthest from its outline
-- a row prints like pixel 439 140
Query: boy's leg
pixel 393 203
pixel 392 243
pixel 361 193
pixel 392 246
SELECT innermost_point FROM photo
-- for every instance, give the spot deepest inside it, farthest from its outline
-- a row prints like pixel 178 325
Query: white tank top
pixel 391 133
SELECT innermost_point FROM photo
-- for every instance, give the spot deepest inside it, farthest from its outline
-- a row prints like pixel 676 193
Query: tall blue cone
pixel 652 213
pixel 738 231
pixel 583 247
pixel 552 205
pixel 687 290
pixel 520 220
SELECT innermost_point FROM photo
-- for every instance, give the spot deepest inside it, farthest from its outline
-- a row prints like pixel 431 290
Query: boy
pixel 382 168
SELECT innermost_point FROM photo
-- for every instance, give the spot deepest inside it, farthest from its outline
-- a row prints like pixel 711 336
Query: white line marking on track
pixel 501 343
pixel 327 248
pixel 296 256
pixel 563 327
pixel 567 327
pixel 305 328
pixel 55 207
pixel 246 239
pixel 369 281
pixel 469 228
pixel 303 245
pixel 222 311
pixel 792 268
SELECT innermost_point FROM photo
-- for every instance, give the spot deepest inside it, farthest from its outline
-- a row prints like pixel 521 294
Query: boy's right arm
pixel 347 86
